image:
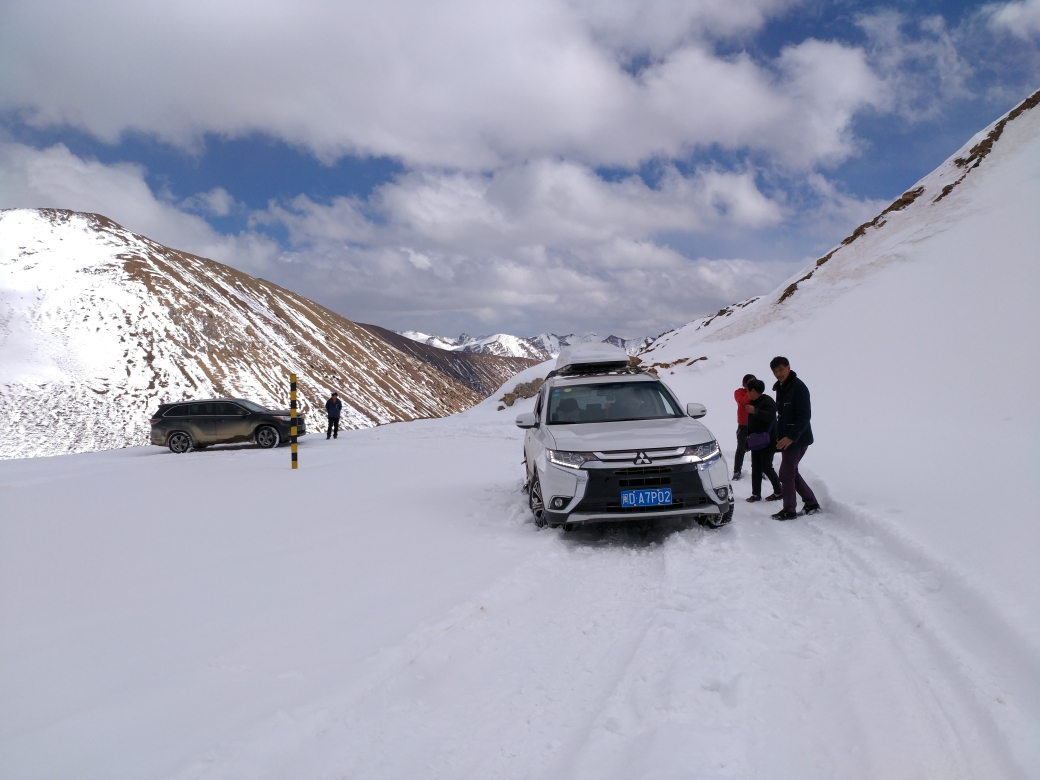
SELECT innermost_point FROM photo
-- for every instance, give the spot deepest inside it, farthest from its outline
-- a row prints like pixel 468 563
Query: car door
pixel 534 437
pixel 202 422
pixel 232 422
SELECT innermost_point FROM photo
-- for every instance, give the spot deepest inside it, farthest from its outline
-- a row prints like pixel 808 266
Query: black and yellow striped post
pixel 292 418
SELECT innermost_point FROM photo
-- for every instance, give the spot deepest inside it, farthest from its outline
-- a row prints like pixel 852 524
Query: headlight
pixel 570 460
pixel 701 452
pixel 282 417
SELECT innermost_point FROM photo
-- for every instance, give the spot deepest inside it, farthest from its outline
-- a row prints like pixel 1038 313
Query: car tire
pixel 717 521
pixel 266 437
pixel 535 501
pixel 179 442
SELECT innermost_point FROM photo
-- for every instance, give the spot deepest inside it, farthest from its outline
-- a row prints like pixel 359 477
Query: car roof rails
pixel 600 370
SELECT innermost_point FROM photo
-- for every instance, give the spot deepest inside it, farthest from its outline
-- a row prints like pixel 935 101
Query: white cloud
pixel 1020 19
pixel 470 84
pixel 543 244
pixel 547 244
pixel 543 203
pixel 218 202
pixel 919 75
pixel 655 27
pixel 56 178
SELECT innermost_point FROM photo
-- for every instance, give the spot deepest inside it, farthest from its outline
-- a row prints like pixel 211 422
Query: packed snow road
pixel 390 611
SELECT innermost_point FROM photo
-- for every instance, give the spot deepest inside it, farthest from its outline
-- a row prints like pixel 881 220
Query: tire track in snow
pixel 760 650
pixel 984 675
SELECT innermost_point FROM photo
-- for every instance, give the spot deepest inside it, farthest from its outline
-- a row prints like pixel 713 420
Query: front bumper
pixel 596 495
pixel 284 428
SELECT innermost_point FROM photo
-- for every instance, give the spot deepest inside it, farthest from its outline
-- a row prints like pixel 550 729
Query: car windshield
pixel 609 402
pixel 251 406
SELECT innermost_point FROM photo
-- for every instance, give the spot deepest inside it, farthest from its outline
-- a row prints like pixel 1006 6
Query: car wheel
pixel 717 521
pixel 534 500
pixel 179 442
pixel 267 437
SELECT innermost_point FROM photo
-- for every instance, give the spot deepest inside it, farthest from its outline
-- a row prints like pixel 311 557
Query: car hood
pixel 629 435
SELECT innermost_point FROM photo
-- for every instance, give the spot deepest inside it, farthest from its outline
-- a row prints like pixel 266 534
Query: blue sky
pixel 567 166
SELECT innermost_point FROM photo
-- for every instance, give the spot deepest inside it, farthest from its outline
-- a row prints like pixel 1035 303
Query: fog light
pixel 559 503
pixel 722 493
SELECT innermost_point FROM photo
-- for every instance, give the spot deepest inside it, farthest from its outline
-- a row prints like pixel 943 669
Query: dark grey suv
pixel 195 425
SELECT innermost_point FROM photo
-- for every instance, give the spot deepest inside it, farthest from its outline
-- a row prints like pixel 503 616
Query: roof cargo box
pixel 591 357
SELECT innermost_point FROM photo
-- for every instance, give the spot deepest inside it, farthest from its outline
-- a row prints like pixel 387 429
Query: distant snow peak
pixel 541 347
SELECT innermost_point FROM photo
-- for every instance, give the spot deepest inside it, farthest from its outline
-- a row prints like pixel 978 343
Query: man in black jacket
pixel 794 413
pixel 333 406
pixel 762 420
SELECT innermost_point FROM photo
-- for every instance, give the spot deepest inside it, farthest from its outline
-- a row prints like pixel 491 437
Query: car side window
pixel 177 411
pixel 203 410
pixel 538 405
pixel 233 410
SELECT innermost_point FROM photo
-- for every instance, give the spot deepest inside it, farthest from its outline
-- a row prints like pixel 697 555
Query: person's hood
pixel 629 435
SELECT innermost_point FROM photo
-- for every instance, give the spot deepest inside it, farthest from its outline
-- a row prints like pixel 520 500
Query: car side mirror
pixel 526 420
pixel 696 411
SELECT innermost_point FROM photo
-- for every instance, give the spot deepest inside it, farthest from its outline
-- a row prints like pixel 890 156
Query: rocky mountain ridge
pixel 99 325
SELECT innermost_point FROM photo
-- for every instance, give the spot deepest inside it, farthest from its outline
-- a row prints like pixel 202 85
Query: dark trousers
pixel 333 427
pixel 738 456
pixel 762 463
pixel 792 481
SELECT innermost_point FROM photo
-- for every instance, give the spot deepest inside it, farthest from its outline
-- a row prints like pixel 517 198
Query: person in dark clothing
pixel 794 413
pixel 333 406
pixel 762 419
pixel 741 397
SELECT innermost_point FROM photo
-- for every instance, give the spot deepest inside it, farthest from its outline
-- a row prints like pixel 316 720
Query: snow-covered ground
pixel 389 610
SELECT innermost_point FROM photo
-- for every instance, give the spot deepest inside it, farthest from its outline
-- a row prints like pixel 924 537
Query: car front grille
pixel 649 476
pixel 603 490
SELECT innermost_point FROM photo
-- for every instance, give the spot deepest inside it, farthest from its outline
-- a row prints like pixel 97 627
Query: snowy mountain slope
pixel 481 373
pixel 99 325
pixel 503 344
pixel 917 336
pixel 540 347
pixel 440 342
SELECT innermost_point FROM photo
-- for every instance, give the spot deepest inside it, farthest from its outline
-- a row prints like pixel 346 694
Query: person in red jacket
pixel 741 397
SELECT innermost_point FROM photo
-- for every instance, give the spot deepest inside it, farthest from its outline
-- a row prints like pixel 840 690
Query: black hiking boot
pixel 785 514
pixel 810 509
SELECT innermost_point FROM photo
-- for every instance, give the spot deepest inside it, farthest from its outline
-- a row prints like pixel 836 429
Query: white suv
pixel 609 442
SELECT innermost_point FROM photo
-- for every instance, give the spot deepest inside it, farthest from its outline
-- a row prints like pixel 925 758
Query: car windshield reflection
pixel 610 402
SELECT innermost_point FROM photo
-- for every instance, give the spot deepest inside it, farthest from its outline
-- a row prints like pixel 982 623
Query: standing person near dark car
pixel 761 440
pixel 741 397
pixel 794 412
pixel 333 406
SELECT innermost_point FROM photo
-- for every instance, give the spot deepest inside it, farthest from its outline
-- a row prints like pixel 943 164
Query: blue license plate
pixel 650 497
